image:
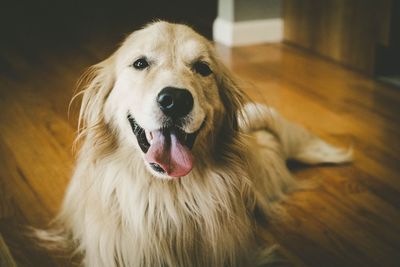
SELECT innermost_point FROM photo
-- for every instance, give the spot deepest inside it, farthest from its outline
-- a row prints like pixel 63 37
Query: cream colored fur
pixel 117 212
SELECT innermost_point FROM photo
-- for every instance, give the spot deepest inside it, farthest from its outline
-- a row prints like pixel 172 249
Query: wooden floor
pixel 351 219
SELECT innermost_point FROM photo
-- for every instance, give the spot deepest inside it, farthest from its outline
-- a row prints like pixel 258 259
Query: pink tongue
pixel 167 151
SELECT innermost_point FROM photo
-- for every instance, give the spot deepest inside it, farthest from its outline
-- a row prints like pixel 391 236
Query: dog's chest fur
pixel 201 220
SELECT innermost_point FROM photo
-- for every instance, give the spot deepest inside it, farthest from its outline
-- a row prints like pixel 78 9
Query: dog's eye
pixel 202 68
pixel 140 64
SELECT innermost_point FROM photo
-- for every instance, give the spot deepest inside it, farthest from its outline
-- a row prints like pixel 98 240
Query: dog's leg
pixel 297 142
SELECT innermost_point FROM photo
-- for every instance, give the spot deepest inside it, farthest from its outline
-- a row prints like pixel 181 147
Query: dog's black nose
pixel 175 102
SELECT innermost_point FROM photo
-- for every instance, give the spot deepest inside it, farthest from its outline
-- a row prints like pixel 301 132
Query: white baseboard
pixel 248 32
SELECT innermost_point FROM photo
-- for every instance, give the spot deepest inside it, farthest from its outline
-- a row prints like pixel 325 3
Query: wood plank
pixel 6 258
pixel 345 31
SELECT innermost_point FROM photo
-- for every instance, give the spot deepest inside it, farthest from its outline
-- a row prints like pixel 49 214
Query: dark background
pixel 37 25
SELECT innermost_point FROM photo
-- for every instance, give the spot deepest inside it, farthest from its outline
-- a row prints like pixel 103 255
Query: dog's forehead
pixel 165 39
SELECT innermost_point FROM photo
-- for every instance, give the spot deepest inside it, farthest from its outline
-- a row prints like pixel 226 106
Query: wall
pixel 345 31
pixel 246 22
pixel 244 10
pixel 257 9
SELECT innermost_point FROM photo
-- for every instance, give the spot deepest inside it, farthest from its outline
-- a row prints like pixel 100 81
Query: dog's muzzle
pixel 167 150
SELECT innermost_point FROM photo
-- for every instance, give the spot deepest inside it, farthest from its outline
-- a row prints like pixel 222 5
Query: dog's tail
pixel 297 142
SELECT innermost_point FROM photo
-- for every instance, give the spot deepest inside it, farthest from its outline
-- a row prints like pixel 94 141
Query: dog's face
pixel 166 96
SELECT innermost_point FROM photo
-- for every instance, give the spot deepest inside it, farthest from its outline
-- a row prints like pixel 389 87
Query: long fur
pixel 116 213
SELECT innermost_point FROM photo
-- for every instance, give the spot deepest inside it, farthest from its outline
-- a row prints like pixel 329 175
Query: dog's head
pixel 163 93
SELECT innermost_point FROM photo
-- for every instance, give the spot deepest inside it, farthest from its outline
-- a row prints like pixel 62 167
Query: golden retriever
pixel 173 162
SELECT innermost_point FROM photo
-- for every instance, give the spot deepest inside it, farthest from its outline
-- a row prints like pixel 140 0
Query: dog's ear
pixel 94 87
pixel 233 99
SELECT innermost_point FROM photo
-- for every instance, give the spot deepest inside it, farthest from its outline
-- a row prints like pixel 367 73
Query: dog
pixel 174 160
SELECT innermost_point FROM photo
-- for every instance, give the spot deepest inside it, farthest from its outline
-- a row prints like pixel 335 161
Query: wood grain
pixel 5 256
pixel 352 216
pixel 345 31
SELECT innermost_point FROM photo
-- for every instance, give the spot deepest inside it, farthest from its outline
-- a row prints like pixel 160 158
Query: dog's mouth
pixel 167 150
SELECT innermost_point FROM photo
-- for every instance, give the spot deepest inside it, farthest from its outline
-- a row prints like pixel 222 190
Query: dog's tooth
pixel 149 136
